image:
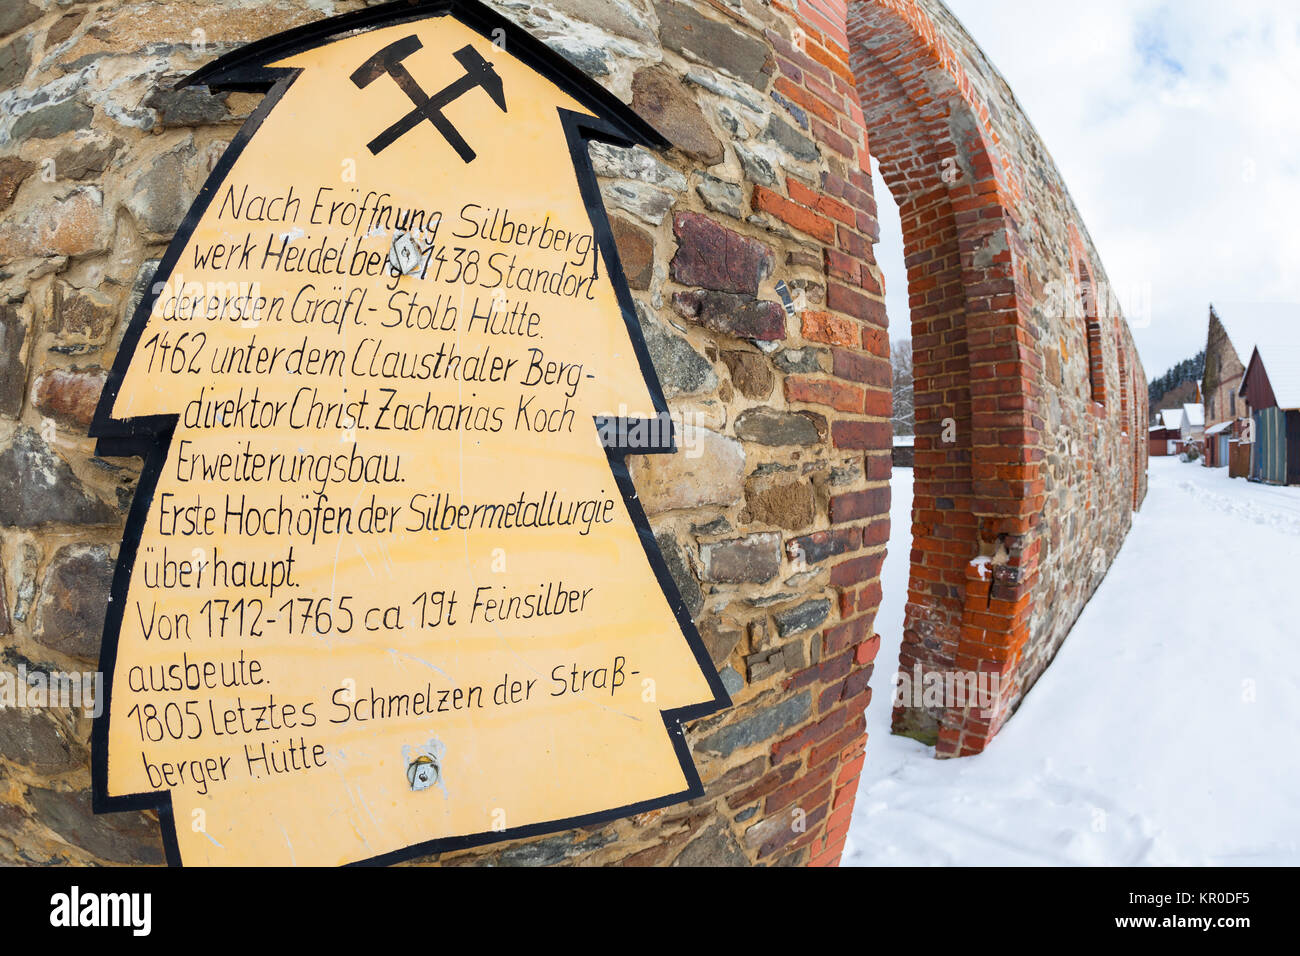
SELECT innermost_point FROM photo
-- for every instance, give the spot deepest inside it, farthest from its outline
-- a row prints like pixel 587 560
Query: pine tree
pixel 383 588
pixel 904 404
pixel 1188 370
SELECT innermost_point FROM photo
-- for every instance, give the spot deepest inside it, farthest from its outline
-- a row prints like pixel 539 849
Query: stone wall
pixel 748 247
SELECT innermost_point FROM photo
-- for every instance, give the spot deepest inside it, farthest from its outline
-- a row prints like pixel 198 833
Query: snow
pixel 1194 416
pixel 1173 418
pixel 1161 735
pixel 1281 365
pixel 1272 328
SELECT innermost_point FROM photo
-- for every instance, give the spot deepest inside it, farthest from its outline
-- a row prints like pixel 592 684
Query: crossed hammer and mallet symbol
pixel 478 73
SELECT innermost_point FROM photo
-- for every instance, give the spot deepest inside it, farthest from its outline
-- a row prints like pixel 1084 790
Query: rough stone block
pixel 767 426
pixel 709 470
pixel 75 600
pixel 739 315
pixel 763 725
pixel 669 107
pixel 38 487
pixel 754 559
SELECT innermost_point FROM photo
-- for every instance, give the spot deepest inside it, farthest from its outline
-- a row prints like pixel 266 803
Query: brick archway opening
pixel 977 492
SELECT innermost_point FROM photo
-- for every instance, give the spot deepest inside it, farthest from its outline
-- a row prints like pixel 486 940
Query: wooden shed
pixel 1163 441
pixel 1218 440
pixel 1270 462
pixel 1271 387
pixel 1239 459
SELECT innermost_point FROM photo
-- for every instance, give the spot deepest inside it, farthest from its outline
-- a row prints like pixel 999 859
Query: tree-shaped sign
pixel 386 587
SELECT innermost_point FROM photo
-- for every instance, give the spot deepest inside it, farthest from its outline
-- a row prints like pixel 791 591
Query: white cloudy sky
pixel 1176 125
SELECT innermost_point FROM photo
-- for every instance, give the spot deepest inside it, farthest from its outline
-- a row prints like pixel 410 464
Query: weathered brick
pixel 714 257
pixel 830 329
pixel 867 369
pixel 837 395
pixel 751 373
pixel 815 548
pixel 791 213
pixel 826 205
pixel 769 782
pixel 860 504
pixel 862 435
pixel 841 637
pixel 841 298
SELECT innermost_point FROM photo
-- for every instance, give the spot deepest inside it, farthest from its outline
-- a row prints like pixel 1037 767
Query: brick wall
pixel 1029 448
pixel 774 358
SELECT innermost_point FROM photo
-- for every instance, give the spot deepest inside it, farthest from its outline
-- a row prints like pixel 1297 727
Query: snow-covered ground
pixel 1163 732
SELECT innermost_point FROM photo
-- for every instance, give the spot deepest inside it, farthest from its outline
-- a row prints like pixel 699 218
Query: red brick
pixel 862 435
pixel 850 770
pixel 815 548
pixel 800 217
pixel 843 299
pixel 830 329
pixel 857 570
pixel 857 505
pixel 827 749
pixel 763 786
pixel 841 637
pixel 857 367
pixel 822 203
pixel 878 402
pixel 836 395
pixel 814 104
pixel 817 781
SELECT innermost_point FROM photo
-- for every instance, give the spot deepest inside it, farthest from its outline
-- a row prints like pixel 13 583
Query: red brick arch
pixel 1123 381
pixel 978 487
pixel 1090 311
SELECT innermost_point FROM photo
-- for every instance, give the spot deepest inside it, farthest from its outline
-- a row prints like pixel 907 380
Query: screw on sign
pixel 422 773
pixel 405 255
pixel 351 672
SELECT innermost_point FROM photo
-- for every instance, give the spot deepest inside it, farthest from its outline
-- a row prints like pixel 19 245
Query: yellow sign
pixel 386 587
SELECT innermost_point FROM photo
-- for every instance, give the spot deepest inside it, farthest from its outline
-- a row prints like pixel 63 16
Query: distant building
pixel 1219 440
pixel 1254 425
pixel 904 451
pixel 1228 345
pixel 1165 438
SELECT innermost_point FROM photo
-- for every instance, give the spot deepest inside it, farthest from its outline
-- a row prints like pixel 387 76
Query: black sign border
pixel 149 437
